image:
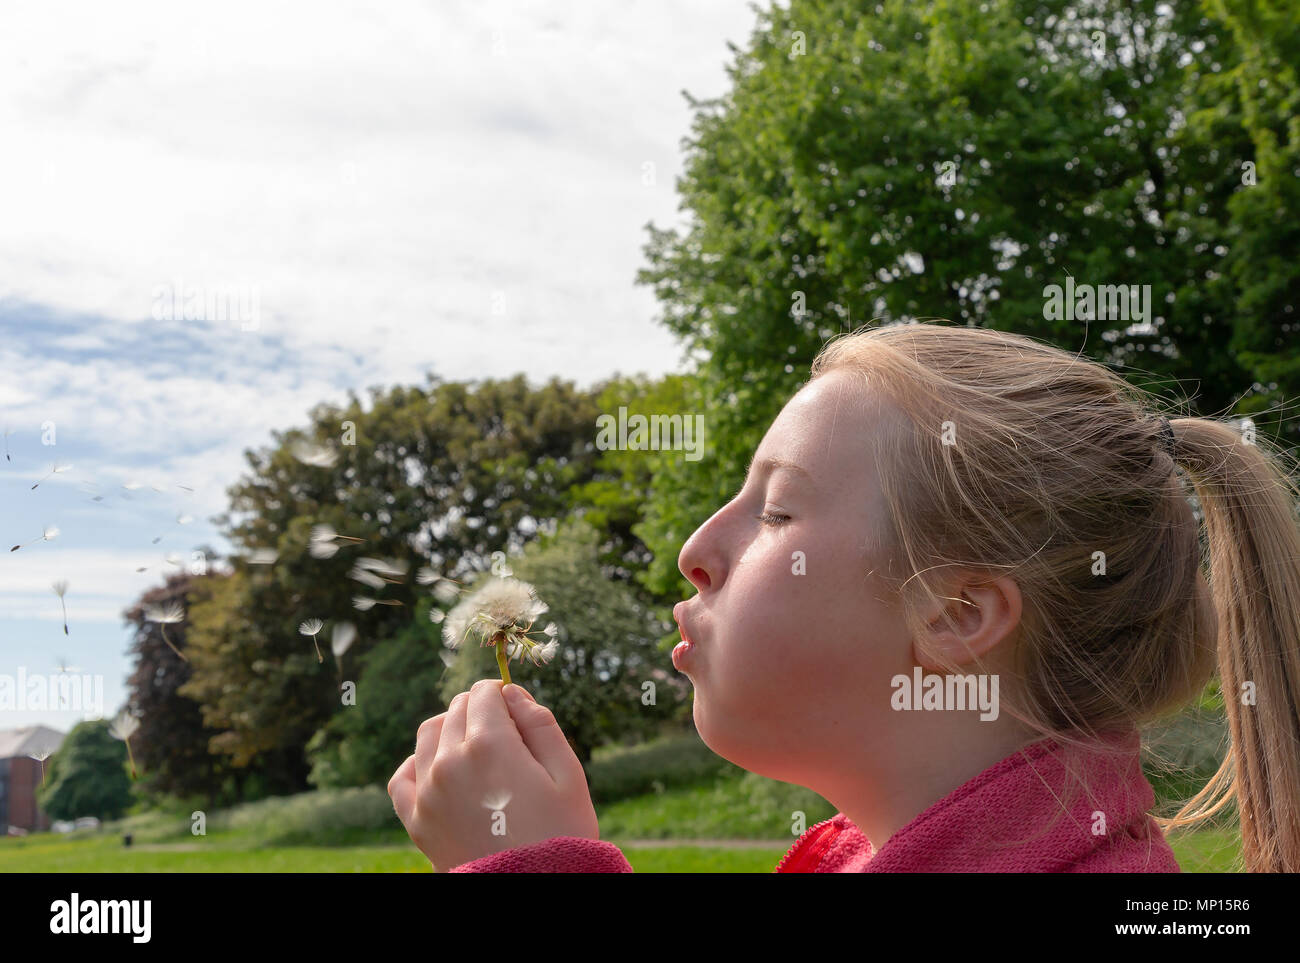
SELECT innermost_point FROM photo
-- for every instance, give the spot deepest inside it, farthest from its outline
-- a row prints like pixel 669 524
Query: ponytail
pixel 1249 508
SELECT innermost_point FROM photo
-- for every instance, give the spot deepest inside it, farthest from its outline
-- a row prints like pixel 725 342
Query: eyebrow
pixel 774 463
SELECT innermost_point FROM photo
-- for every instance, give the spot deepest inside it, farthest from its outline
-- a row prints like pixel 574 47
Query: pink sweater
pixel 1002 821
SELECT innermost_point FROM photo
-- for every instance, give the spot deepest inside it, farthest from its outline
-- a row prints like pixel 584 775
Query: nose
pixel 701 559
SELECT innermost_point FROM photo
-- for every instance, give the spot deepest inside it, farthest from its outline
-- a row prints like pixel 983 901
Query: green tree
pixel 87 776
pixel 1259 93
pixel 901 161
pixel 173 753
pixel 441 476
pixel 398 689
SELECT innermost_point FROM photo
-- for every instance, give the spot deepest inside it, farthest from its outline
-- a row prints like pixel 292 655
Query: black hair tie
pixel 1166 436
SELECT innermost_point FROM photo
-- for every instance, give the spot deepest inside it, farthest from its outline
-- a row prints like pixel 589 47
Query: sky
pixel 214 217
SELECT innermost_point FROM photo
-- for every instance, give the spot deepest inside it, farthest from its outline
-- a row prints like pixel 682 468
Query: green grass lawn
pixel 107 855
pixel 1205 851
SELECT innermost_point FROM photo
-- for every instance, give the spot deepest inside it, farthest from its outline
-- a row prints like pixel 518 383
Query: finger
pixel 402 789
pixel 487 714
pixel 427 738
pixel 453 729
pixel 541 734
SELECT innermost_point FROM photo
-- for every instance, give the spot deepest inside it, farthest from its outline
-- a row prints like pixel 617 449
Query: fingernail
pixel 517 693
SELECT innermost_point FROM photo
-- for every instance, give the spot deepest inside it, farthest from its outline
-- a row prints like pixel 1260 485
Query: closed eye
pixel 772 518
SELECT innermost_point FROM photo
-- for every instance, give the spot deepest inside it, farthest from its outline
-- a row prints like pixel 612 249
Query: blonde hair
pixel 1015 457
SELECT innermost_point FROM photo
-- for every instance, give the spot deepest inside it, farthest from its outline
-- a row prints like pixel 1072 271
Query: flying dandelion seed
pixel 64 667
pixel 170 613
pixel 49 533
pixel 8 432
pixel 342 637
pixel 391 570
pixel 312 627
pixel 326 533
pixel 40 756
pixel 362 603
pixel 436 616
pixel 124 727
pixel 501 613
pixel 53 471
pixel 359 574
pixel 322 549
pixel 317 455
pixel 180 520
pixel 446 591
pixel 263 556
pixel 61 589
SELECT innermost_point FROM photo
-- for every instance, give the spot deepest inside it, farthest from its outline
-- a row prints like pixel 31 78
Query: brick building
pixel 20 774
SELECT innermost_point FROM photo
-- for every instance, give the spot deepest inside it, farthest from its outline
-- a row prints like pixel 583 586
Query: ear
pixel 982 612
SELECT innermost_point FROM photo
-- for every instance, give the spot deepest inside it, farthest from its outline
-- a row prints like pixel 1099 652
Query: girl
pixel 961 573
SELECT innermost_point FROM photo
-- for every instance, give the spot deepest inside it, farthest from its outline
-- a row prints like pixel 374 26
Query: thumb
pixel 516 694
pixel 542 734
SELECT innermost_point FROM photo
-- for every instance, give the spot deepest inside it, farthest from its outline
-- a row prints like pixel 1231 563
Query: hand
pixel 492 772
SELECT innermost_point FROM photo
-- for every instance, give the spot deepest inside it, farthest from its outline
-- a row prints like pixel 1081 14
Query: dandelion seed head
pixel 362 603
pixel 61 587
pixel 498 606
pixel 505 601
pixel 311 626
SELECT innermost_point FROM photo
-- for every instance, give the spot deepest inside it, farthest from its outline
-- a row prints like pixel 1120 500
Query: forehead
pixel 826 427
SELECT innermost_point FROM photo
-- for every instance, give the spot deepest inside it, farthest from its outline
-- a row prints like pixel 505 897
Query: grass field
pixel 1208 851
pixel 660 795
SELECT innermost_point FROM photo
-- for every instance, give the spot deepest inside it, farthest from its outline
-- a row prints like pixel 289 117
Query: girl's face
pixel 795 639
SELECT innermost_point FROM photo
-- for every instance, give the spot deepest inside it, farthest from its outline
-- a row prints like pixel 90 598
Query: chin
pixel 737 747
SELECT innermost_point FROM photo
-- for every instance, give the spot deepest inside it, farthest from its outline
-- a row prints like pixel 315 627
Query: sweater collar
pixel 1047 807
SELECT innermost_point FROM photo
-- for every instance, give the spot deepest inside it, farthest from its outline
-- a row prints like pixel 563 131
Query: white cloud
pixel 445 186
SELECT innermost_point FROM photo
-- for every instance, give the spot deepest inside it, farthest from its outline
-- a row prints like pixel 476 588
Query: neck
pixel 889 784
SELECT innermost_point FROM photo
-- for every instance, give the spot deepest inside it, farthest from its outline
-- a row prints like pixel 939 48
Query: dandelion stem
pixel 163 626
pixel 499 643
